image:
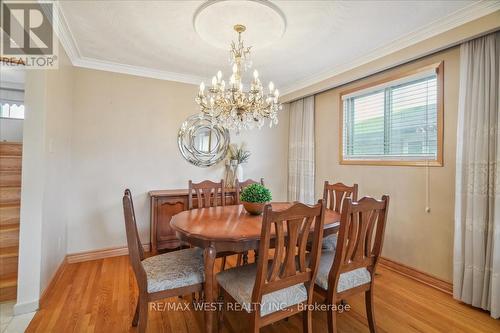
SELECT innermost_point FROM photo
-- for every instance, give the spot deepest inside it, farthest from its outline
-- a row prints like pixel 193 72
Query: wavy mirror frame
pixel 186 140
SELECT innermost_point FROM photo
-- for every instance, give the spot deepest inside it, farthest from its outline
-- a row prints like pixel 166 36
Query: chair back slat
pixel 139 244
pixel 136 252
pixel 240 186
pixel 334 195
pixel 287 266
pixel 357 245
pixel 207 194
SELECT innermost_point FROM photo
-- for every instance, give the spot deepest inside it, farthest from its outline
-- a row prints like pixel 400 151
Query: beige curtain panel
pixel 476 277
pixel 301 151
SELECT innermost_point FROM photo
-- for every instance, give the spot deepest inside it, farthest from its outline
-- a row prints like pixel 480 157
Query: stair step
pixel 9 251
pixel 10 195
pixel 8 281
pixel 10 178
pixel 8 287
pixel 9 257
pixel 11 148
pixel 9 214
pixel 10 163
pixel 9 235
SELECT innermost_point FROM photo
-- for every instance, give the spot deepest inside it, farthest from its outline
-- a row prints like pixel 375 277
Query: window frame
pixel 439 68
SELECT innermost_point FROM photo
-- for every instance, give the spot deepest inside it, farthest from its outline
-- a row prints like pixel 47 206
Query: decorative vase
pixel 239 172
pixel 229 178
pixel 254 208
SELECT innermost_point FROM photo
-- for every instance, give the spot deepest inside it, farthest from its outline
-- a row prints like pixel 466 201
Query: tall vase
pixel 239 172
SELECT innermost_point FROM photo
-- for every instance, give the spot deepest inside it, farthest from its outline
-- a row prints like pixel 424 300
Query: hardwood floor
pixel 100 296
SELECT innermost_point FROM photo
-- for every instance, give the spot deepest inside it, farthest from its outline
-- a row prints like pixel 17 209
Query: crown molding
pixel 456 19
pixel 460 17
pixel 70 45
pixel 135 70
pixel 64 34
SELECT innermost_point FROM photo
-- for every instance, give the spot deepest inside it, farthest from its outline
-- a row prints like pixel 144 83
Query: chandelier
pixel 231 106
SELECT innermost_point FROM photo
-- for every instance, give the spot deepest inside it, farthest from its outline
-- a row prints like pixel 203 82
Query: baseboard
pixel 100 254
pixel 53 280
pixel 27 307
pixel 417 275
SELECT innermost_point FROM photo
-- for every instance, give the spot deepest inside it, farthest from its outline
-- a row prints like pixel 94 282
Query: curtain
pixel 476 267
pixel 301 151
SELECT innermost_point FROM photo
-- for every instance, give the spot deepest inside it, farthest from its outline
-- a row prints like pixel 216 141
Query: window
pixel 12 111
pixel 396 122
pixel 11 103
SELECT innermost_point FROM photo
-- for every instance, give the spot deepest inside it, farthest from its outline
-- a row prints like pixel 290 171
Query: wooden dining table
pixel 227 229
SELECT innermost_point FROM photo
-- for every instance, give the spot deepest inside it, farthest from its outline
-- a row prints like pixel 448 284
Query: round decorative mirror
pixel 202 143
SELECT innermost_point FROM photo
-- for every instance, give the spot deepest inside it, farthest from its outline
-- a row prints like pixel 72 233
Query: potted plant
pixel 254 197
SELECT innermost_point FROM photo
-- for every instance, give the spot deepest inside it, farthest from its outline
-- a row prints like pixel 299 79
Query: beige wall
pixel 124 134
pixel 413 237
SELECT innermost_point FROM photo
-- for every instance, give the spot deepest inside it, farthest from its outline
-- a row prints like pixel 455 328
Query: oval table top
pixel 230 223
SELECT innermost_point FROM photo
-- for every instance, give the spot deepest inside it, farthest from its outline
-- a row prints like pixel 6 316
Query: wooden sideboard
pixel 163 205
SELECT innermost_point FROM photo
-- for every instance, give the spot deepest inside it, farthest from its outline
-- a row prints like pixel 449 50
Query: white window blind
pixel 394 121
pixel 11 103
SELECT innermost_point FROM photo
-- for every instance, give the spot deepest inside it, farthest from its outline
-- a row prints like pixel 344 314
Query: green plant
pixel 239 154
pixel 256 193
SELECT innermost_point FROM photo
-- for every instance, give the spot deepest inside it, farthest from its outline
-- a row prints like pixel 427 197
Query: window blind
pixel 11 103
pixel 394 121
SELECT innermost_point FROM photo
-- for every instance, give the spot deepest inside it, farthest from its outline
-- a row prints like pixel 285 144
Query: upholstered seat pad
pixel 239 283
pixel 330 242
pixel 347 280
pixel 174 269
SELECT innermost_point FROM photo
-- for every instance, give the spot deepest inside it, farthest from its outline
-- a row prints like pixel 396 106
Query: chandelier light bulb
pixel 232 107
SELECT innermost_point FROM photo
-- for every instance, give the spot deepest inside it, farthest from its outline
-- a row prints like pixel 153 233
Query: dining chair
pixel 281 283
pixel 207 194
pixel 350 267
pixel 334 195
pixel 240 186
pixel 166 275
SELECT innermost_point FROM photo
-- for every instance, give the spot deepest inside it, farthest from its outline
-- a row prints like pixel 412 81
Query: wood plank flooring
pixel 100 296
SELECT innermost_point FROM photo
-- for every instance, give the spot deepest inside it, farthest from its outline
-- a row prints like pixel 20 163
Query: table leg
pixel 209 256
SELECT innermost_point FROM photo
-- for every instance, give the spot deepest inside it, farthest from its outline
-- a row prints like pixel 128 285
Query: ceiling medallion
pixel 232 106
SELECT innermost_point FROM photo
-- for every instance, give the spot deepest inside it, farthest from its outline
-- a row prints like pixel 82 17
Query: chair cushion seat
pixel 239 282
pixel 174 269
pixel 347 280
pixel 330 242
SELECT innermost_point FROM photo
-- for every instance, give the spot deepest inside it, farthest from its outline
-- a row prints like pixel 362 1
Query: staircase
pixel 10 198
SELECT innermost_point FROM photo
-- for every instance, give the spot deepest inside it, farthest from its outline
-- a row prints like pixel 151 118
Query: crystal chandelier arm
pixel 232 107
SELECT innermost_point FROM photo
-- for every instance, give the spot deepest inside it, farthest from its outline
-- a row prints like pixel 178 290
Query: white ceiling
pixel 158 39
